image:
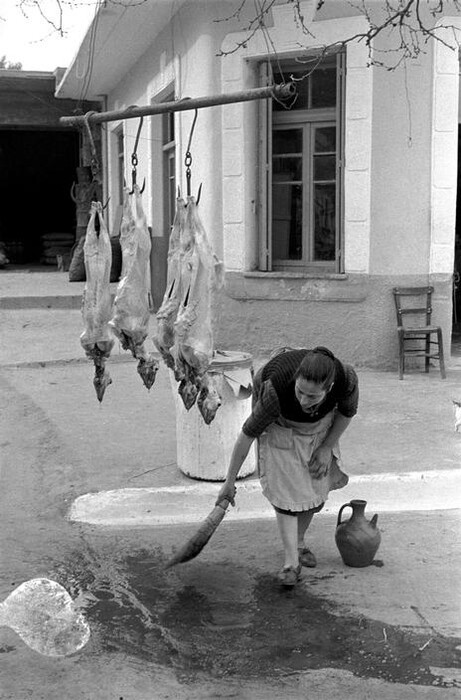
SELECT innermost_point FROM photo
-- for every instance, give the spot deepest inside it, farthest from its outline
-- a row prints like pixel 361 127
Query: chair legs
pixel 401 355
pixel 441 356
pixel 427 345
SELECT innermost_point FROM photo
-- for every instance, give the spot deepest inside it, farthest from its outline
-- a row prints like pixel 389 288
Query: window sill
pixel 296 286
pixel 285 274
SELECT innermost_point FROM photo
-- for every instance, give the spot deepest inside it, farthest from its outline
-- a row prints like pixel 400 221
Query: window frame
pixel 309 120
pixel 169 167
pixel 120 144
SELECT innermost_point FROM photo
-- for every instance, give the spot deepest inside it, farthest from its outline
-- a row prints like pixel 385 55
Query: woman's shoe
pixel 289 576
pixel 307 558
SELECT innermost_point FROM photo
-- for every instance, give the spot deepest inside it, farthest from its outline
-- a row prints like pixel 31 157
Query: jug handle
pixel 346 505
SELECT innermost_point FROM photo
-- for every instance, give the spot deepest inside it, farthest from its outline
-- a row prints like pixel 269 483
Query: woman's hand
pixel 239 454
pixel 320 461
pixel 228 491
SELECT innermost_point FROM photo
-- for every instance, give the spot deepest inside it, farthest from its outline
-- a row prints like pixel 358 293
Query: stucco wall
pixel 389 217
pixel 412 177
pixel 359 326
pixel 183 56
pixel 401 169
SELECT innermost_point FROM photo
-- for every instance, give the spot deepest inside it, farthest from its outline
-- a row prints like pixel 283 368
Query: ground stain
pixel 220 619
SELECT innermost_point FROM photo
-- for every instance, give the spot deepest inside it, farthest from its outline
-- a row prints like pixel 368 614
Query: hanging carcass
pixel 97 339
pixel 201 276
pixel 130 321
pixel 164 339
pixel 209 398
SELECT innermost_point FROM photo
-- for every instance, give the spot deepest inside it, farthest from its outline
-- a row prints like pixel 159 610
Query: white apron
pixel 285 449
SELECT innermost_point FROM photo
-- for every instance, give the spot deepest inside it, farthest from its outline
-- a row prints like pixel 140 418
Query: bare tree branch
pixel 410 23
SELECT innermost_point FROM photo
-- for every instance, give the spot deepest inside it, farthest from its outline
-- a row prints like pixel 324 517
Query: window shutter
pixel 340 127
pixel 265 175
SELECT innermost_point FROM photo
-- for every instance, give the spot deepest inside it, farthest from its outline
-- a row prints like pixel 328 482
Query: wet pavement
pixel 219 626
pixel 223 618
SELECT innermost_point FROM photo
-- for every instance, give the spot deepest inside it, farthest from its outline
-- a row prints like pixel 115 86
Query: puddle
pixel 227 616
pixel 219 619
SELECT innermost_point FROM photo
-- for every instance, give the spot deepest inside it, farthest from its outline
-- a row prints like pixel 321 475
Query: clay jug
pixel 357 539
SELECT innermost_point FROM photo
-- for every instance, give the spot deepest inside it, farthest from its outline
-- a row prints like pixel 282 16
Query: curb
pixel 178 505
pixel 40 364
pixel 41 302
pixel 70 301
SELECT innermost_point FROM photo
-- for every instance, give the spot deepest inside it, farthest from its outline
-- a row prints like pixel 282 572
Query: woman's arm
pixel 321 457
pixel 339 425
pixel 239 454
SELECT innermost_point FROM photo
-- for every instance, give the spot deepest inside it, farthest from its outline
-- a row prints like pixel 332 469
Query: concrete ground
pixel 92 497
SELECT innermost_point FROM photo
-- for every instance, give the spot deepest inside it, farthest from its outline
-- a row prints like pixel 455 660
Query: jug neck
pixel 358 507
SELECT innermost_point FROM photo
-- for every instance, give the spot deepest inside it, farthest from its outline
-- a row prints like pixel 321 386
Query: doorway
pixel 456 330
pixel 37 169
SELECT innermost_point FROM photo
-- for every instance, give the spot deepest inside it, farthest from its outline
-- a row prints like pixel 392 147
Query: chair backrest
pixel 415 302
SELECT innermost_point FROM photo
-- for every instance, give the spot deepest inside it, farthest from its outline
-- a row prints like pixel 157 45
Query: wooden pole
pixel 281 92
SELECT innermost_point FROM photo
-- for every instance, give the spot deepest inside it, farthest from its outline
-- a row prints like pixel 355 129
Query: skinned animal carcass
pixel 130 321
pixel 97 339
pixel 201 275
pixel 164 339
pixel 209 398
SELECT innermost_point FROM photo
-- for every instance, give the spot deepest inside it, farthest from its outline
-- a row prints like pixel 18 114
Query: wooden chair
pixel 417 303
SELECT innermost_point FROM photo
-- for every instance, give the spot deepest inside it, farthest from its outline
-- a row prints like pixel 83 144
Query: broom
pixel 196 543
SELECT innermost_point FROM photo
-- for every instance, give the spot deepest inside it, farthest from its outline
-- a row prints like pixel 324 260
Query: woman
pixel 303 401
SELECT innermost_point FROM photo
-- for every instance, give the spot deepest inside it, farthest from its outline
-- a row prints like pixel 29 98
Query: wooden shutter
pixel 265 175
pixel 340 140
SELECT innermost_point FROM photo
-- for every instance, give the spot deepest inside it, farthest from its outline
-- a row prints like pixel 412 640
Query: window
pixel 168 147
pixel 302 151
pixel 120 164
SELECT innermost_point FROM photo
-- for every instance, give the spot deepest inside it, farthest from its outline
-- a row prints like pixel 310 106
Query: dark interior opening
pixel 37 169
pixel 456 320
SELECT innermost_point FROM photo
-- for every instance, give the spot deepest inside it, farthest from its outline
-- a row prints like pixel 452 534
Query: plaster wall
pixel 411 179
pixel 240 185
pixel 401 169
pixel 183 58
pixel 393 192
pixel 358 324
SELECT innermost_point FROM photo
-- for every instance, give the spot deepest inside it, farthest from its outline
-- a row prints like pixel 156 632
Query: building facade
pixel 318 208
pixel 39 158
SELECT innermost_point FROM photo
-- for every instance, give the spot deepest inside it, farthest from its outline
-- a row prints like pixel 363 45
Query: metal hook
pixel 192 131
pixel 134 160
pixel 199 194
pixel 95 168
pixel 188 158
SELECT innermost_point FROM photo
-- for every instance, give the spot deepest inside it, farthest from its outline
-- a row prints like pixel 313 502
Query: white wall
pixel 182 56
pixel 240 127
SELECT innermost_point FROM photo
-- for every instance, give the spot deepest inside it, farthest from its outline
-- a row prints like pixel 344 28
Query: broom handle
pixel 223 503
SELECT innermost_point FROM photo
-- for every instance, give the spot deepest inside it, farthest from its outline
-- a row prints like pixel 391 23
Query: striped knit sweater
pixel 274 394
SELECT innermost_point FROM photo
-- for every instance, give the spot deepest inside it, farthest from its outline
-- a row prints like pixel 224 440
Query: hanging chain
pixel 134 158
pixel 188 158
pixel 94 163
pixel 188 163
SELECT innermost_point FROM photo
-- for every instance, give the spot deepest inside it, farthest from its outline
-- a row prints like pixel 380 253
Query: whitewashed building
pixel 317 211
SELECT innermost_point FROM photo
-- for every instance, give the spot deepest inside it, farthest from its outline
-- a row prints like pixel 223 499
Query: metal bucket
pixel 204 451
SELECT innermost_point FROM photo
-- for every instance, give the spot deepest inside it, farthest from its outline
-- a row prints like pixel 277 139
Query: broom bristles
pixel 197 542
